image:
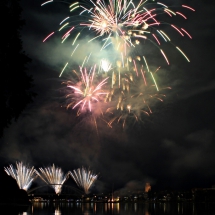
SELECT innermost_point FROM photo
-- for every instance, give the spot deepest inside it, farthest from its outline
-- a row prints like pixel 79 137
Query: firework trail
pixel 84 178
pixel 23 174
pixel 53 176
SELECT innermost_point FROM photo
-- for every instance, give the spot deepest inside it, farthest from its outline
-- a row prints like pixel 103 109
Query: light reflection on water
pixel 45 208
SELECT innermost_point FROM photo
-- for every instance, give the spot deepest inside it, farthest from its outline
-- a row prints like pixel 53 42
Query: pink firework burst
pixel 86 91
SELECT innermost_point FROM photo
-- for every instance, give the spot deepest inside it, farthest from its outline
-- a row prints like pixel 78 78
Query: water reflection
pixel 57 211
pixel 68 208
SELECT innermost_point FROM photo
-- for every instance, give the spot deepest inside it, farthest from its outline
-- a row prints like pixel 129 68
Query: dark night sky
pixel 174 147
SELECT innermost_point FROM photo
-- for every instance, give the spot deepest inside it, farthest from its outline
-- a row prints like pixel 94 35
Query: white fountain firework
pixel 23 174
pixel 54 177
pixel 84 178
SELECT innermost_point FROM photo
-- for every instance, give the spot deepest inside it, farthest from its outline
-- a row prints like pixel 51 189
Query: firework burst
pixel 137 92
pixel 129 93
pixel 23 174
pixel 84 178
pixel 130 86
pixel 85 90
pixel 53 176
pixel 105 65
pixel 124 24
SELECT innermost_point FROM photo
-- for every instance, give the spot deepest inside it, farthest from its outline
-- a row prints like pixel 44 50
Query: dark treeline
pixel 16 84
pixel 10 194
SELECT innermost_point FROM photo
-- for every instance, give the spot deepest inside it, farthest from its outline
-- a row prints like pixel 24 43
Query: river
pixel 45 208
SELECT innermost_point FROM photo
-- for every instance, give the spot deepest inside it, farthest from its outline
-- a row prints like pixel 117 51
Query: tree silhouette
pixel 10 192
pixel 16 84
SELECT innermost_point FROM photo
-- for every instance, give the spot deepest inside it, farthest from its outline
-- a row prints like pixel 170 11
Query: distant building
pixel 147 190
pixel 147 187
pixel 203 194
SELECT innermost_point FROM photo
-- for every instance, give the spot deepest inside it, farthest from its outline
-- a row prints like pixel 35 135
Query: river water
pixel 116 208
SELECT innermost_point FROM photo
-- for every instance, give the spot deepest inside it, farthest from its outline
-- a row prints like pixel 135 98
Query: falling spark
pixel 63 69
pixel 48 36
pixel 183 53
pixel 46 2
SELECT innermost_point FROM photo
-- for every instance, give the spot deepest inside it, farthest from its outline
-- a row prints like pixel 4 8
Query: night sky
pixel 172 148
